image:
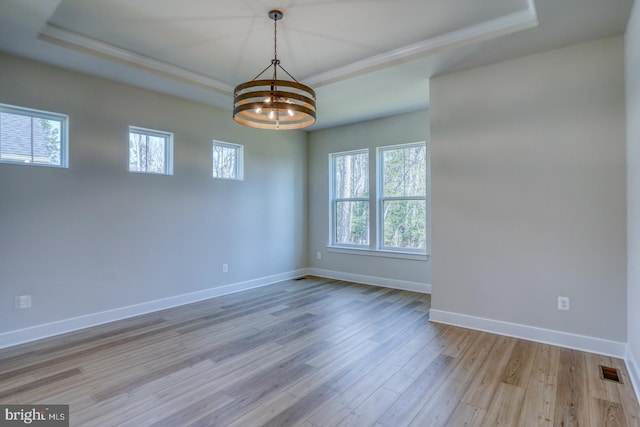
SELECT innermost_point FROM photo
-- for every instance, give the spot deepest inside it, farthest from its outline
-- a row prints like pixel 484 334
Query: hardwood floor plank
pixel 572 401
pixel 473 358
pixel 467 415
pixel 485 383
pixel 438 409
pixel 194 410
pixel 418 393
pixel 540 398
pixel 628 399
pixel 457 346
pixel 519 366
pixel 329 414
pixel 43 382
pixel 370 409
pixel 344 378
pixel 606 413
pixel 402 379
pixel 333 365
pixel 265 410
pixel 402 358
pixel 299 410
pixel 312 353
pixel 24 354
pixel 121 416
pixel 505 407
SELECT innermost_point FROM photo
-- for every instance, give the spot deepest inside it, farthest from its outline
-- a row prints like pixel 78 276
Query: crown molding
pixel 100 49
pixel 487 30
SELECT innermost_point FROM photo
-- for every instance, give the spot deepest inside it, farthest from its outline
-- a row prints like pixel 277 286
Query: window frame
pixel 46 115
pixel 239 163
pixel 168 149
pixel 382 198
pixel 333 202
pixel 376 202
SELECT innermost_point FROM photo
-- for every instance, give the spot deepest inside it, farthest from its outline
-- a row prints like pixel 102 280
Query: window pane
pixel 137 152
pixel 404 171
pixel 224 162
pixel 352 223
pixel 149 151
pixel 30 139
pixel 351 175
pixel 404 224
pixel 156 154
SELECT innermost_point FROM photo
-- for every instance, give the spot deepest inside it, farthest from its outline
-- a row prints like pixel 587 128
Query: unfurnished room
pixel 319 213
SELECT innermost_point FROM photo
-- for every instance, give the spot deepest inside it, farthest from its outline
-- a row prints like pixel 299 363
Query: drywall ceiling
pixel 365 58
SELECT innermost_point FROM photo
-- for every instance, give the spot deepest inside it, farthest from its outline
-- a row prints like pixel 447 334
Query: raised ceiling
pixel 365 58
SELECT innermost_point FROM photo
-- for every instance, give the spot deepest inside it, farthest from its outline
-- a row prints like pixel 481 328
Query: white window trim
pixel 375 247
pixel 333 201
pixel 418 256
pixel 239 159
pixel 168 150
pixel 381 199
pixel 47 115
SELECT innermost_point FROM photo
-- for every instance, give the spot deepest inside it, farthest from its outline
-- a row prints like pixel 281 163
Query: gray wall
pixel 528 190
pixel 633 182
pixel 95 237
pixel 405 128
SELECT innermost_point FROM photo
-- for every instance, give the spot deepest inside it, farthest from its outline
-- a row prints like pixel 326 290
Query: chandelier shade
pixel 274 103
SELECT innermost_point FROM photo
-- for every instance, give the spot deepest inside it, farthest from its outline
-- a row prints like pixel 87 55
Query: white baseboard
pixel 371 280
pixel 531 333
pixel 634 370
pixel 21 336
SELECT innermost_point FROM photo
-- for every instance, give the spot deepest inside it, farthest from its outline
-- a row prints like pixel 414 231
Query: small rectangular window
pixel 228 160
pixel 403 200
pixel 150 151
pixel 350 198
pixel 33 137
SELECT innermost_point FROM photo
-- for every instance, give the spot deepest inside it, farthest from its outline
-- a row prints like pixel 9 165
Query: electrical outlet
pixel 225 268
pixel 563 303
pixel 318 255
pixel 23 301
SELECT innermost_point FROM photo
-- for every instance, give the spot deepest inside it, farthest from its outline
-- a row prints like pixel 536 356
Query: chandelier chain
pixel 275 61
pixel 275 39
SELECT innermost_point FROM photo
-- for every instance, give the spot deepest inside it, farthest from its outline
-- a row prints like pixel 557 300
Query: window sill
pixel 379 253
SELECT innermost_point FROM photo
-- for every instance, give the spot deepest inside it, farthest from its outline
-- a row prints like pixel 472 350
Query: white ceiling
pixel 365 58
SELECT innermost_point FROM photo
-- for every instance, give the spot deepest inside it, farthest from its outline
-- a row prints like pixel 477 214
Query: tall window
pixel 228 160
pixel 350 204
pixel 150 151
pixel 396 205
pixel 33 137
pixel 403 197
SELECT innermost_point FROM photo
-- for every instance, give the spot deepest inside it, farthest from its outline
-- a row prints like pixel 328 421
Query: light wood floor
pixel 310 353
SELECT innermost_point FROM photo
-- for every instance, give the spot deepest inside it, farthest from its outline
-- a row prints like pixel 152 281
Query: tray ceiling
pixel 366 58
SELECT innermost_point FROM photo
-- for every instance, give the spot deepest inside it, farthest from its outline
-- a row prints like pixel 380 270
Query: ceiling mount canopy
pixel 273 103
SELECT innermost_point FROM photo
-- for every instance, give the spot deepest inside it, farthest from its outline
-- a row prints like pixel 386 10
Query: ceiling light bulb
pixel 290 111
pixel 259 110
pixel 271 115
pixel 267 100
